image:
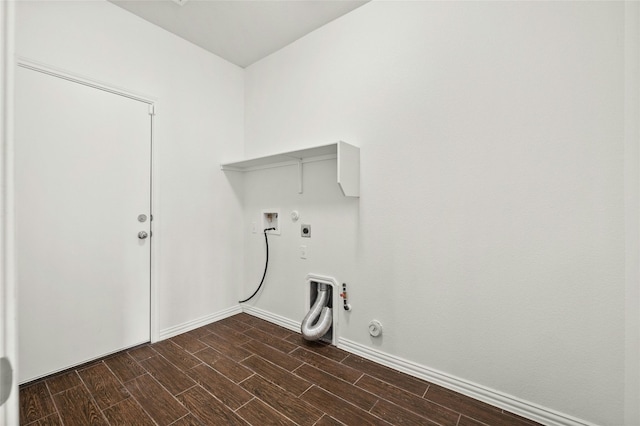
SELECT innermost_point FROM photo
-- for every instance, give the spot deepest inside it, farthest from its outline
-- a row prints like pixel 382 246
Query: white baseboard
pixel 272 318
pixel 481 393
pixel 490 396
pixel 199 322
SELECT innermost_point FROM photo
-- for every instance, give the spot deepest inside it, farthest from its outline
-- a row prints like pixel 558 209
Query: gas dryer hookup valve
pixel 345 303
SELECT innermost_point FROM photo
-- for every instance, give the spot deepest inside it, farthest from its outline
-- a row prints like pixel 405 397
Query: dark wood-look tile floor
pixel 243 370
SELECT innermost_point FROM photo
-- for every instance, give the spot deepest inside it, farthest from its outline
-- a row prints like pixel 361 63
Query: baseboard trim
pixel 272 318
pixel 199 322
pixel 481 393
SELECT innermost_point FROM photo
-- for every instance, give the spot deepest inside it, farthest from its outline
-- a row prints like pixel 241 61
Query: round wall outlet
pixel 375 328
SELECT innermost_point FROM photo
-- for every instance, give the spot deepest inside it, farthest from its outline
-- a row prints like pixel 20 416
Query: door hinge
pixel 152 109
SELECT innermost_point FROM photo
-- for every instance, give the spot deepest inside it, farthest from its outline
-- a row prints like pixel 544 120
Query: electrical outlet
pixel 305 231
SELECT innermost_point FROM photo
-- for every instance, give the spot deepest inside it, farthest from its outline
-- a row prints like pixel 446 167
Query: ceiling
pixel 240 31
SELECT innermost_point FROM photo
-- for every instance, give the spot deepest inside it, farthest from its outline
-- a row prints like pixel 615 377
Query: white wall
pixel 9 410
pixel 632 211
pixel 330 250
pixel 489 238
pixel 199 119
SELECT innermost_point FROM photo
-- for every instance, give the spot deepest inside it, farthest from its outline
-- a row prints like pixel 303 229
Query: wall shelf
pixel 347 156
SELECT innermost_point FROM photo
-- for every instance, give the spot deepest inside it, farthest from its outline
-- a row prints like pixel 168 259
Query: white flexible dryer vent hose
pixel 312 329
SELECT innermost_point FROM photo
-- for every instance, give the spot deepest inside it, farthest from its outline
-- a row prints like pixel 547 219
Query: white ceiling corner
pixel 240 31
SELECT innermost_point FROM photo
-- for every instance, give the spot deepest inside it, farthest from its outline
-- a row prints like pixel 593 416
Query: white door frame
pixel 9 411
pixel 151 101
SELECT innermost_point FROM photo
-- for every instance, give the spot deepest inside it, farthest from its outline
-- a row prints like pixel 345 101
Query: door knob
pixel 142 235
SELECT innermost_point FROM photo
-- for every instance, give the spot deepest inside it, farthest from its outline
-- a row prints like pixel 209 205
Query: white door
pixel 83 167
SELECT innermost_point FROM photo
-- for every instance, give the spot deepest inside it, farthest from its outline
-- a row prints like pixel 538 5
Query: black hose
pixel 266 264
